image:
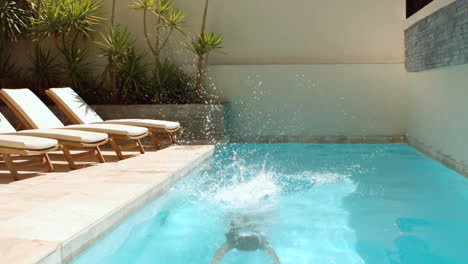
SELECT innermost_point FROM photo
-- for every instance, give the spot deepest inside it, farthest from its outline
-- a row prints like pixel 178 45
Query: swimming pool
pixel 323 204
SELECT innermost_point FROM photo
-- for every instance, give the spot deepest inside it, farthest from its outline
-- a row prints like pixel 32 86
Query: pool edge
pixel 67 251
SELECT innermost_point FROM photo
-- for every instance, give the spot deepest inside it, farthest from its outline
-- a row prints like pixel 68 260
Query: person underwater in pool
pixel 243 236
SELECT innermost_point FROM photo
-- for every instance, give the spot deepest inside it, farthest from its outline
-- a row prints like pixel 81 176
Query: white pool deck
pixel 51 217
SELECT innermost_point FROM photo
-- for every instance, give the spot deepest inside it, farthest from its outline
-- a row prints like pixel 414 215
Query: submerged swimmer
pixel 243 237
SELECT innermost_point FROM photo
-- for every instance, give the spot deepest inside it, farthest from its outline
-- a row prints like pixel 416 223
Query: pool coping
pixel 68 250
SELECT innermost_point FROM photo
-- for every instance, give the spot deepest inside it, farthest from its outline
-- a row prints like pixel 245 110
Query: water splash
pixel 250 194
pixel 239 187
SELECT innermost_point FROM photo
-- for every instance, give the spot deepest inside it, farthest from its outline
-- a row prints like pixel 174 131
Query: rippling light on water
pixel 342 204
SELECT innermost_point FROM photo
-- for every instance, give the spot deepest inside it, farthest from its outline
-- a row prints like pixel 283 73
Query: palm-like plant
pixel 206 43
pixel 14 20
pixel 77 70
pixel 66 21
pixel 202 46
pixel 116 44
pixel 170 84
pixel 168 20
pixel 44 69
pixel 8 69
pixel 132 77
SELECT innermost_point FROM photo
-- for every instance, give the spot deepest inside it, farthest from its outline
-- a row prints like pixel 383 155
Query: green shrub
pixel 171 85
pixel 132 80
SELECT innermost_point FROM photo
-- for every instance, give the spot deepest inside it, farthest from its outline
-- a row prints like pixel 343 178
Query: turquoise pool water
pixel 317 204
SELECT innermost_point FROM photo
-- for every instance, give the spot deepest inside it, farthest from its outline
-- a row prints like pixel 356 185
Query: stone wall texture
pixel 202 124
pixel 438 40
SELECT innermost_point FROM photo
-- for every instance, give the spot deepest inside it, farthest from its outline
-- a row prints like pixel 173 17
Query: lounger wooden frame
pixel 154 132
pixel 66 145
pixel 113 139
pixel 168 132
pixel 8 157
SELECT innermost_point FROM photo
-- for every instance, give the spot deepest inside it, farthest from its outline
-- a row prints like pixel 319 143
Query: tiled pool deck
pixel 52 217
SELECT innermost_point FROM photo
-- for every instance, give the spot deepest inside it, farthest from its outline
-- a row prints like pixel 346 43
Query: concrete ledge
pixel 201 123
pixel 445 159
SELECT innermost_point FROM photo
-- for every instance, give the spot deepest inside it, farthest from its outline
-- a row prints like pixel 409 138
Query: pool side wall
pixel 321 103
pixel 201 123
pixel 438 82
pixel 438 115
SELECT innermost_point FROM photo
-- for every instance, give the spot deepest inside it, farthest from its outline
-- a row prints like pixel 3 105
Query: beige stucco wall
pixel 293 32
pixel 314 102
pixel 438 119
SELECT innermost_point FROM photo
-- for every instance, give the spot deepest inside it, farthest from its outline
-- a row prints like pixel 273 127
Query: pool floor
pixel 309 203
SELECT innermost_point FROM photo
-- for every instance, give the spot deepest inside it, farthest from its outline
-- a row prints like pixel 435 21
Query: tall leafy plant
pixel 115 46
pixel 8 69
pixel 201 46
pixel 14 22
pixel 132 79
pixel 168 19
pixel 44 68
pixel 171 85
pixel 67 23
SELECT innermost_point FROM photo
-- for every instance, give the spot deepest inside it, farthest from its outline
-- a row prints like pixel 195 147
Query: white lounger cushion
pixel 40 116
pixel 112 129
pixel 36 113
pixel 150 123
pixel 26 143
pixel 66 135
pixel 82 112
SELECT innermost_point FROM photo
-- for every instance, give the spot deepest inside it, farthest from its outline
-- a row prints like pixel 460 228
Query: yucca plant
pixel 66 21
pixel 206 43
pixel 115 45
pixel 168 20
pixel 132 78
pixel 202 46
pixel 45 69
pixel 170 84
pixel 8 69
pixel 14 19
pixel 14 22
pixel 77 71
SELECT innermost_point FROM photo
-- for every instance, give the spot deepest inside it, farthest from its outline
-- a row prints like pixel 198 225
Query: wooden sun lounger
pixel 34 114
pixel 79 112
pixel 68 139
pixel 9 151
